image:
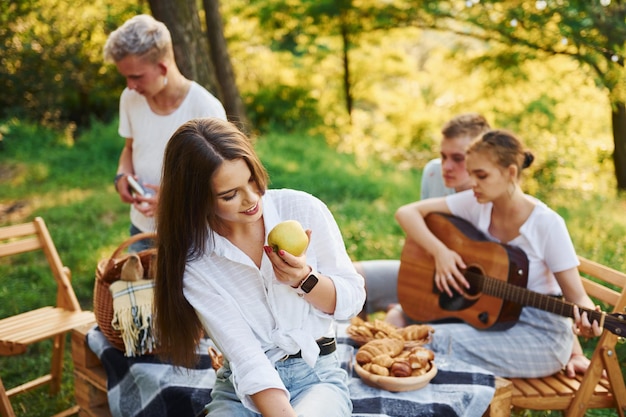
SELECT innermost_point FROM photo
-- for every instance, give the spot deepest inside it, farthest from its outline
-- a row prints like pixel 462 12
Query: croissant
pixel 423 353
pixel 401 368
pixel 383 360
pixel 403 355
pixel 384 326
pixel 419 372
pixel 416 332
pixel 371 349
pixel 378 329
pixel 378 370
pixel 362 331
pixel 420 358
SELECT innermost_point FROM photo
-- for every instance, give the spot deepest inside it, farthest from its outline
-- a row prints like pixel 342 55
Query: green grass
pixel 69 184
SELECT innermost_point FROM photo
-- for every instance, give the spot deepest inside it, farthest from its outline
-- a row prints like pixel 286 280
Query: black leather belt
pixel 327 346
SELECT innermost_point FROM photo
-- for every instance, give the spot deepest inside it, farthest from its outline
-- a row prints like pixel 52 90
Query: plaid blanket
pixel 142 386
pixel 132 314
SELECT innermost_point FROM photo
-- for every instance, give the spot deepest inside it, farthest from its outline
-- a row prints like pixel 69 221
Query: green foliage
pixel 282 107
pixel 532 67
pixel 52 68
pixel 591 33
pixel 404 81
pixel 359 195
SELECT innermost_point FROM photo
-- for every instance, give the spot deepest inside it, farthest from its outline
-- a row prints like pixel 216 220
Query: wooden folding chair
pixel 18 332
pixel 592 390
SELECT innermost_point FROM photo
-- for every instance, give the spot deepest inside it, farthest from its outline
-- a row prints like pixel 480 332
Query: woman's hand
pixel 577 364
pixel 582 326
pixel 448 277
pixel 289 269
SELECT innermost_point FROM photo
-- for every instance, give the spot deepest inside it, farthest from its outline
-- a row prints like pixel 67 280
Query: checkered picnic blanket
pixel 143 386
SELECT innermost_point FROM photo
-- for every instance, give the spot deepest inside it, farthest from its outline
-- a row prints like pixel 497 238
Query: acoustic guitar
pixel 497 274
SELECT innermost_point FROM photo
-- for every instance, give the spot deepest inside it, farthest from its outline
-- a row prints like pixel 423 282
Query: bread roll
pixel 376 347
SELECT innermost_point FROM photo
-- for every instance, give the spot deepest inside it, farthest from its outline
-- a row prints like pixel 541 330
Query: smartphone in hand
pixel 136 187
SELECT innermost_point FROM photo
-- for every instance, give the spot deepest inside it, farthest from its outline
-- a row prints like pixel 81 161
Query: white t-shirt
pixel 432 181
pixel 254 319
pixel 151 132
pixel 543 237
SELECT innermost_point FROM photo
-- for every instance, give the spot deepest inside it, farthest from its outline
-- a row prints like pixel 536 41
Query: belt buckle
pixel 328 342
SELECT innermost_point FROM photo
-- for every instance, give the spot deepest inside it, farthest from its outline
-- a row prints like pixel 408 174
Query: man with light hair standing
pixel 156 101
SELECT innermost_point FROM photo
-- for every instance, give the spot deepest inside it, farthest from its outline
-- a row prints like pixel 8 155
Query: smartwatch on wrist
pixel 307 284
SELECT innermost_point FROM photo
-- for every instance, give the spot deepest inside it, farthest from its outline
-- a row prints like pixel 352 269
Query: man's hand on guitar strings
pixel 582 326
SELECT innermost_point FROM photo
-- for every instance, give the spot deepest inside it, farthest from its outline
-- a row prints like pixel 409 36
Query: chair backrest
pixel 612 294
pixel 33 236
pixel 19 331
pixel 609 286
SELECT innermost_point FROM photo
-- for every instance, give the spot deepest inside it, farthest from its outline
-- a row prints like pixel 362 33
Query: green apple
pixel 288 236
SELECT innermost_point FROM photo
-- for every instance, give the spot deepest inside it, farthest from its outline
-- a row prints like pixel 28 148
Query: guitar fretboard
pixel 523 296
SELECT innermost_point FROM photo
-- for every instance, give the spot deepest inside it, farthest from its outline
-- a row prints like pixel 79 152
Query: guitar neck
pixel 525 297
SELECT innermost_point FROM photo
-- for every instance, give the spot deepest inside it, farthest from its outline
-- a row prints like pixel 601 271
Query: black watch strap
pixel 117 178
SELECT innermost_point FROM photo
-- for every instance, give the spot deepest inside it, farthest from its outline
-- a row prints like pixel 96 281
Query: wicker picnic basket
pixel 107 272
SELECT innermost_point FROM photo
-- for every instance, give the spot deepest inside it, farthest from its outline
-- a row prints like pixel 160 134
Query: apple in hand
pixel 288 236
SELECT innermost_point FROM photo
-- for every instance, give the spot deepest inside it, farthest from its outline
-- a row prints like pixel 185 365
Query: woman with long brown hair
pixel 269 312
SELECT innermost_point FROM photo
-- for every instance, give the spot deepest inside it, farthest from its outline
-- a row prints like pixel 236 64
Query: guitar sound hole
pixel 459 301
pixel 474 276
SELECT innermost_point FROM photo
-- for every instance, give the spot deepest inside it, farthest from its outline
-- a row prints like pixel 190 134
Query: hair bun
pixel 528 159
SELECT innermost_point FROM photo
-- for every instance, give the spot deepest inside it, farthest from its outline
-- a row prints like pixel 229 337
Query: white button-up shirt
pixel 254 319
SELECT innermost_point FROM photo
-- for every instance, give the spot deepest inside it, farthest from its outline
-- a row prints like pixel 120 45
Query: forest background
pixel 357 139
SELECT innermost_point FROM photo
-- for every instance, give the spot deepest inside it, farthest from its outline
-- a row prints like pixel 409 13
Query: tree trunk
pixel 345 39
pixel 346 69
pixel 235 109
pixel 190 50
pixel 618 116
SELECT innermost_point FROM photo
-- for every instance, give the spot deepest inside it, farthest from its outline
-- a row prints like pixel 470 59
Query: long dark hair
pixel 186 220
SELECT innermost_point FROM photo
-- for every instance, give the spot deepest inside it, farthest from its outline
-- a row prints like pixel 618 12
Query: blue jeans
pixel 315 392
pixel 141 244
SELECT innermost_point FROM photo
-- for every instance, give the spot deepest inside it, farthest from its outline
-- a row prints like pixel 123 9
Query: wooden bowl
pixel 396 384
